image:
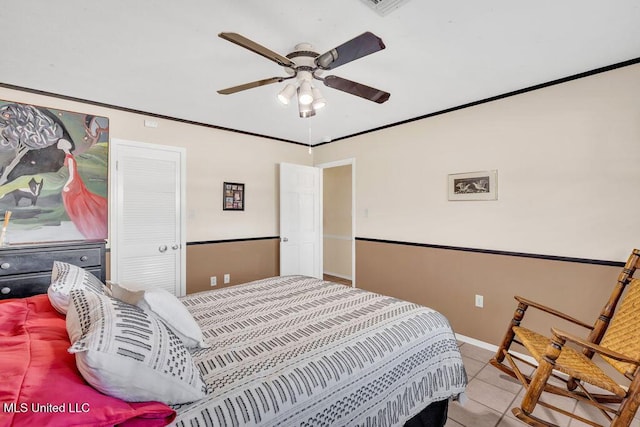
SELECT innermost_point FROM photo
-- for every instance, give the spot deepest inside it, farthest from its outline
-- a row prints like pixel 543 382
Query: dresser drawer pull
pixel 5 265
pixel 83 258
pixel 5 290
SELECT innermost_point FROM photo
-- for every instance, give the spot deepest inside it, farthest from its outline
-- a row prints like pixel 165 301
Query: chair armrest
pixel 595 347
pixel 549 310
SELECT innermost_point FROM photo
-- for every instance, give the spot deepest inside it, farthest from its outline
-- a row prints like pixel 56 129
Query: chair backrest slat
pixel 602 322
pixel 623 333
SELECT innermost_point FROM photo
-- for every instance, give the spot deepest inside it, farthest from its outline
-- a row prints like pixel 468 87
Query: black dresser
pixel 25 270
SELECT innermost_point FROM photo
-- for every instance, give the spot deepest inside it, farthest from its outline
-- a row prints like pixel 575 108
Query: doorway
pixel 338 207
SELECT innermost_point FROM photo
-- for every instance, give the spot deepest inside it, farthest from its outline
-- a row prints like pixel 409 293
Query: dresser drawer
pixel 25 270
pixel 39 261
pixel 26 285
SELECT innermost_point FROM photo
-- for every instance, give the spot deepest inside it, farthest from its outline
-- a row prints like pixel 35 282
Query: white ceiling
pixel 165 58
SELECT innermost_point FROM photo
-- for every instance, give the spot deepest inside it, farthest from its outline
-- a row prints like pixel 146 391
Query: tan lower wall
pixel 443 279
pixel 244 260
pixel 448 280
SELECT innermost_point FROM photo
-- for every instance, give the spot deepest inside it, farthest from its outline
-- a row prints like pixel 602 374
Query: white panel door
pixel 300 220
pixel 148 228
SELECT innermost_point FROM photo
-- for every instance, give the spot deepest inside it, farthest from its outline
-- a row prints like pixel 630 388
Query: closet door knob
pixel 175 246
pixel 162 248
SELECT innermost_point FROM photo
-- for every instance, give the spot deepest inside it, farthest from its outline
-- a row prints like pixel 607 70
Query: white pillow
pixel 67 277
pixel 127 353
pixel 167 307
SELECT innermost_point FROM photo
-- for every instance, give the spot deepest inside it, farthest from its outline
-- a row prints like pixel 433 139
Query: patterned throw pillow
pixel 125 352
pixel 67 277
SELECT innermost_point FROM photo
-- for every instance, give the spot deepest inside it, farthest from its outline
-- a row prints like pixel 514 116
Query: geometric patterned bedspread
pixel 299 351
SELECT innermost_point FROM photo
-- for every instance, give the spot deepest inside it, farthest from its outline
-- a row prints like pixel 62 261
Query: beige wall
pixel 213 156
pixel 336 217
pixel 567 158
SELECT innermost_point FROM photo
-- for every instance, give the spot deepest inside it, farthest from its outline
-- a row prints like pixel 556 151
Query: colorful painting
pixel 53 180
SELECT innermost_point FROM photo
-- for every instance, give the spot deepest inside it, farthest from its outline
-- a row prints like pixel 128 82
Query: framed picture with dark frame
pixel 474 185
pixel 233 196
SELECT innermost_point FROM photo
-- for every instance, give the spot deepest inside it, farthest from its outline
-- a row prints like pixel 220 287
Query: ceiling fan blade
pixel 257 48
pixel 251 85
pixel 357 89
pixel 363 45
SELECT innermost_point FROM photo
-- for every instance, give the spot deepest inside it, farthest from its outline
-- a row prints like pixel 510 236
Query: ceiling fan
pixel 305 65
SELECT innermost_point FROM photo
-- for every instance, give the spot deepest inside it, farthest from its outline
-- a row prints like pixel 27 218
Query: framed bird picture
pixel 53 174
pixel 474 185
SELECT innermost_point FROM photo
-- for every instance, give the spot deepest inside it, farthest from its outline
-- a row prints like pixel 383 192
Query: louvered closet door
pixel 148 244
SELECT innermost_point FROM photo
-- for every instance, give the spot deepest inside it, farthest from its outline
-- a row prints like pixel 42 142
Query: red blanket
pixel 40 384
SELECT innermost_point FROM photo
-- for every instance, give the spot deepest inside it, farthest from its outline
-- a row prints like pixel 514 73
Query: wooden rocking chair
pixel 614 337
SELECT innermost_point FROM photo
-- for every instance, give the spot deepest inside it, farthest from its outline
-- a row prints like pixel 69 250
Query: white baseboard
pixel 477 343
pixel 492 348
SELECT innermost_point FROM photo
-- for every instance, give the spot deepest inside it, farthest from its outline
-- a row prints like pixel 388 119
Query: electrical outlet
pixel 227 278
pixel 479 301
pixel 213 280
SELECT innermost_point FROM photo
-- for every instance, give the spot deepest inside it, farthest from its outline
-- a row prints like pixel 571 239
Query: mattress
pixel 300 351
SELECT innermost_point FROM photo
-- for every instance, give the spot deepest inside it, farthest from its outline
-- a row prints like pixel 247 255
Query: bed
pixel 280 351
pixel 301 351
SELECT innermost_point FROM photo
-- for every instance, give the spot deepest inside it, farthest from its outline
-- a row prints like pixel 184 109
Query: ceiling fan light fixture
pixel 305 110
pixel 285 94
pixel 305 96
pixel 318 100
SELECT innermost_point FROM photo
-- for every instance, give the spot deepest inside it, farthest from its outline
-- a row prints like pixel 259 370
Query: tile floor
pixel 336 279
pixel 491 395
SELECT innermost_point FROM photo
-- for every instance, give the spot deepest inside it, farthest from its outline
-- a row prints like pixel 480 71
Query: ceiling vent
pixel 384 7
